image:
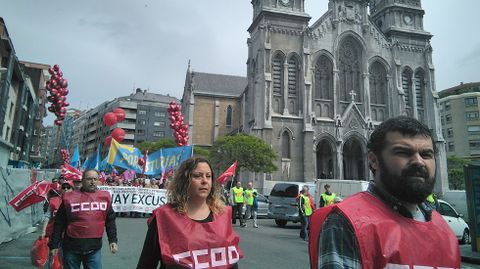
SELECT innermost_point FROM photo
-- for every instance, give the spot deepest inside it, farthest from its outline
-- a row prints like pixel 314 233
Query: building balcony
pixel 129 136
pixel 126 125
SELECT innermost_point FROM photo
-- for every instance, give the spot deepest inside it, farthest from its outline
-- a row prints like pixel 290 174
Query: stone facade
pixel 211 105
pixel 315 93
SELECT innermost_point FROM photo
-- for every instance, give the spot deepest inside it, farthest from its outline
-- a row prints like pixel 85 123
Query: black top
pixel 151 253
pixel 80 244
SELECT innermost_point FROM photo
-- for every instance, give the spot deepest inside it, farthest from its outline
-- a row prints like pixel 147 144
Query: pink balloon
pixel 118 134
pixel 120 113
pixel 110 119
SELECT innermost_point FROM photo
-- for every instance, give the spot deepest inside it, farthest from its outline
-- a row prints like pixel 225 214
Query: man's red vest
pixel 54 204
pixel 192 244
pixel 388 240
pixel 86 213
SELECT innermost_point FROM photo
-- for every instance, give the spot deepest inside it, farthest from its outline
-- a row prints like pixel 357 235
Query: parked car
pixel 283 203
pixel 263 203
pixel 455 221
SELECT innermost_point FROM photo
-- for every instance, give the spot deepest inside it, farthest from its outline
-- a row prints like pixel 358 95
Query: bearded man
pixel 389 225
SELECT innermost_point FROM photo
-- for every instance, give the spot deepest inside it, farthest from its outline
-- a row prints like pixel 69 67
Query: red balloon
pixel 58 122
pixel 120 113
pixel 141 162
pixel 56 67
pixel 65 104
pixel 110 119
pixel 50 109
pixel 108 140
pixel 51 71
pixel 118 134
pixel 54 91
pixel 64 83
pixel 172 119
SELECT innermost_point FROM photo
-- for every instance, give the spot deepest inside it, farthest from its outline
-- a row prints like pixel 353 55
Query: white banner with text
pixel 144 200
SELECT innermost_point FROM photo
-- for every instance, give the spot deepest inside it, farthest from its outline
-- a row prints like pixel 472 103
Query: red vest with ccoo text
pixel 86 213
pixel 193 244
pixel 54 204
pixel 388 240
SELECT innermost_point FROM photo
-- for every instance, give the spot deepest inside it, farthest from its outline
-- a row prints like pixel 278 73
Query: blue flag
pixel 75 160
pixel 94 161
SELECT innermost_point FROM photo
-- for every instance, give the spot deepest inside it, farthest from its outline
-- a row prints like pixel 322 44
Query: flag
pixel 103 165
pixel 128 175
pixel 230 172
pixel 71 173
pixel 75 160
pixel 35 193
pixel 94 161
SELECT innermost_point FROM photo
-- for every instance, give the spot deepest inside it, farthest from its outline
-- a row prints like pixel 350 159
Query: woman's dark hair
pixel 407 126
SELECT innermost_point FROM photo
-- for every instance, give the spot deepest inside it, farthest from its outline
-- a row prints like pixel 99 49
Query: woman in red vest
pixel 193 230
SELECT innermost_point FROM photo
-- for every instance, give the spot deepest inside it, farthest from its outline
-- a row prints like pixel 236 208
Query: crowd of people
pixel 388 226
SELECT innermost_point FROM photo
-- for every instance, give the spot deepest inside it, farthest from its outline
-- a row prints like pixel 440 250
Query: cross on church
pixel 353 94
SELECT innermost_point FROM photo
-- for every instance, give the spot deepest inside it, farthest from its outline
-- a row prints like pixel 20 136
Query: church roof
pixel 217 84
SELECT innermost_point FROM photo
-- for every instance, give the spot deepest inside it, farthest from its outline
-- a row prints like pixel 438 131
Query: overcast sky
pixel 107 48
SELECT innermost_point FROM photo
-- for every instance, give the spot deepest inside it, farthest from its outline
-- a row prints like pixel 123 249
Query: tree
pixel 251 152
pixel 168 143
pixel 157 145
pixel 456 177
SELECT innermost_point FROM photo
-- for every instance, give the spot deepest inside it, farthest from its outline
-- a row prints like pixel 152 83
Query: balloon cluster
pixel 180 130
pixel 110 119
pixel 57 87
pixel 65 155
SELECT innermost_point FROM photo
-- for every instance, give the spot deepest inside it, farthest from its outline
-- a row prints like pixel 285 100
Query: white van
pixel 341 188
pixel 283 204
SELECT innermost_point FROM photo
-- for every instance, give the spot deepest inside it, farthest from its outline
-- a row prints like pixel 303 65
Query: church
pixel 315 92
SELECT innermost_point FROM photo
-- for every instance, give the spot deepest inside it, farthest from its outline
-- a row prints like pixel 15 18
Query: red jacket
pixel 197 245
pixel 387 239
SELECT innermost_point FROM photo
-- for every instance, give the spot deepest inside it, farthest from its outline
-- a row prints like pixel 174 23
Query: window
pixel 474 144
pixel 285 145
pixel 446 210
pixel 228 122
pixel 159 123
pixel 142 122
pixel 142 112
pixel 451 146
pixel 448 118
pixel 159 134
pixel 447 105
pixel 471 115
pixel 450 132
pixel 471 101
pixel 141 132
pixel 35 132
pixel 160 114
pixel 10 115
pixel 442 119
pixel 474 129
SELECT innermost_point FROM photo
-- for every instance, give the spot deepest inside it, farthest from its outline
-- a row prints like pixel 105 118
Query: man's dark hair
pixel 407 126
pixel 326 186
pixel 88 170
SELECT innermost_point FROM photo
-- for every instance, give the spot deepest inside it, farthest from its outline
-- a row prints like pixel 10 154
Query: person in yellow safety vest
pixel 305 211
pixel 328 197
pixel 252 207
pixel 432 201
pixel 238 202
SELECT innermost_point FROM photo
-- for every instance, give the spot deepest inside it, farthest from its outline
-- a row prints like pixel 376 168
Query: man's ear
pixel 373 160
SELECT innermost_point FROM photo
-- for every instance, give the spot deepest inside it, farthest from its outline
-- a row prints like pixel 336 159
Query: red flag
pixel 230 172
pixel 71 173
pixel 33 194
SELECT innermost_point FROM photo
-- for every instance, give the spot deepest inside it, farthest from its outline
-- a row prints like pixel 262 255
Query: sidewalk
pixel 468 255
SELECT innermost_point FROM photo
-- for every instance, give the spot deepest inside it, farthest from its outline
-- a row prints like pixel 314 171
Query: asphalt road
pixel 266 247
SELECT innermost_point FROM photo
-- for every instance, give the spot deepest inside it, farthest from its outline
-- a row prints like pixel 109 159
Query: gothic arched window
pixel 293 85
pixel 285 145
pixel 378 84
pixel 278 84
pixel 407 86
pixel 324 78
pixel 419 88
pixel 350 71
pixel 228 121
pixel 420 93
